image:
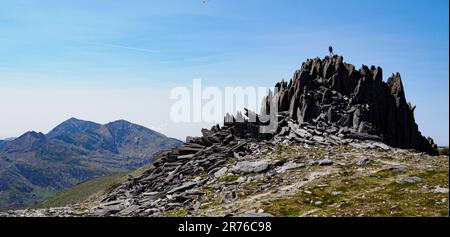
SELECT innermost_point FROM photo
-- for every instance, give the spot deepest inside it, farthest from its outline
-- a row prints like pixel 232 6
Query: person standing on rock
pixel 331 51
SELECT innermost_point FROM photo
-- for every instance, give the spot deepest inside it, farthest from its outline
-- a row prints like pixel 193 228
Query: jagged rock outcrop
pixel 330 93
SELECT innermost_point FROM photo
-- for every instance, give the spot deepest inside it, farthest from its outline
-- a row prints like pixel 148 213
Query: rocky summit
pixel 331 94
pixel 345 144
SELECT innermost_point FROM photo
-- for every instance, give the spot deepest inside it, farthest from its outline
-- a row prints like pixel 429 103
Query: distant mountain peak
pixel 25 142
pixel 121 121
pixel 33 134
pixel 72 125
pixel 73 119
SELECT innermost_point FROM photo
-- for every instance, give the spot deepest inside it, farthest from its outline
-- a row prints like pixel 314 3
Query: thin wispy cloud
pixel 120 47
pixel 205 58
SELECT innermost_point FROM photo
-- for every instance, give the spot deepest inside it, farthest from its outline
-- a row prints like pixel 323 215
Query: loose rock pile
pixel 176 174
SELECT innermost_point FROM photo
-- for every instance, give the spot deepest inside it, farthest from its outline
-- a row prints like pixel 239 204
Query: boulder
pixel 246 167
pixel 410 180
pixel 325 162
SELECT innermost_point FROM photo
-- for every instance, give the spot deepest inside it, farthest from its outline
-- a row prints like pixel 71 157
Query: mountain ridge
pixel 74 151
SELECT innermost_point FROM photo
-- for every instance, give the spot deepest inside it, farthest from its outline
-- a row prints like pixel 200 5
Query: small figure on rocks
pixel 330 49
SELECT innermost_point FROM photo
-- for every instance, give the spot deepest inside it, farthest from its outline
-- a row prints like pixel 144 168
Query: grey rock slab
pixel 325 162
pixel 302 132
pixel 311 162
pixel 241 179
pixel 361 145
pixel 149 194
pixel 112 203
pixel 288 166
pixel 310 212
pixel 336 193
pixel 221 173
pixel 128 211
pixel 182 187
pixel 284 131
pixel 363 162
pixel 397 169
pixel 364 136
pixel 247 167
pixel 440 190
pixel 318 139
pixel 331 130
pixel 410 180
pixel 183 157
pixel 381 145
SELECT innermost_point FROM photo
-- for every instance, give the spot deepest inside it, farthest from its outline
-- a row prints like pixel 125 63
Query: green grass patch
pixel 302 202
pixel 372 196
pixel 443 151
pixel 229 178
pixel 84 191
pixel 90 189
pixel 176 213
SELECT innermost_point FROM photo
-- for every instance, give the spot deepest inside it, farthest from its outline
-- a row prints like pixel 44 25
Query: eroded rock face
pixel 331 93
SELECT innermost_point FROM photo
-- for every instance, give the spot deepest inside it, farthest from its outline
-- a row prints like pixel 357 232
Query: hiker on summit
pixel 330 49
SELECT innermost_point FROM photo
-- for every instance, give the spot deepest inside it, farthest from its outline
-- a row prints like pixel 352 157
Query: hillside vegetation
pixel 89 190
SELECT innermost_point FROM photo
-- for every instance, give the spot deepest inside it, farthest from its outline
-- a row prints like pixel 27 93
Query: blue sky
pixel 103 60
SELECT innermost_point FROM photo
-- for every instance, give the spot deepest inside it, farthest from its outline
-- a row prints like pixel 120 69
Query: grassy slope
pixel 369 190
pixel 89 190
pixel 376 195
